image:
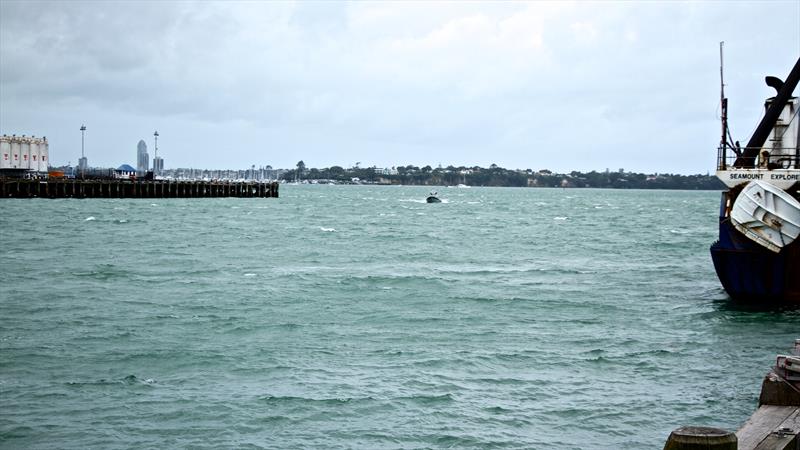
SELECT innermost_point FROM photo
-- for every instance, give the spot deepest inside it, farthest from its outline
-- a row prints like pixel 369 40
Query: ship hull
pixel 752 273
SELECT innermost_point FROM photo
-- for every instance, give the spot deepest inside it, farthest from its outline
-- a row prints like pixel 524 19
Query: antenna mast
pixel 724 107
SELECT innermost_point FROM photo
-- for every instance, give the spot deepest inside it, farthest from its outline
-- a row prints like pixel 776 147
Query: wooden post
pixel 701 438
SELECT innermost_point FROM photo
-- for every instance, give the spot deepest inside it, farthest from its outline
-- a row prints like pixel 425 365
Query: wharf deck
pixel 78 188
pixel 775 425
pixel 771 427
pixel 776 422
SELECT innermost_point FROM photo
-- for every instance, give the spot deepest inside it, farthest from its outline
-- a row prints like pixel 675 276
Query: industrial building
pixel 23 156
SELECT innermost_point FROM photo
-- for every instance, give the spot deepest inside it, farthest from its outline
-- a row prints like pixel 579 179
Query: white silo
pixel 15 158
pixel 44 153
pixel 34 155
pixel 5 152
pixel 25 154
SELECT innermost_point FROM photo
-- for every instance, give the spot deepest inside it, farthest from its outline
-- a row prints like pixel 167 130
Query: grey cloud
pixel 370 82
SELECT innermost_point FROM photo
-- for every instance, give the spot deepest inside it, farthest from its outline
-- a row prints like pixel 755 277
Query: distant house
pixel 385 170
pixel 125 171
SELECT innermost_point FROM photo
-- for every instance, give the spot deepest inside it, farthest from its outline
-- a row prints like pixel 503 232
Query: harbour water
pixel 362 317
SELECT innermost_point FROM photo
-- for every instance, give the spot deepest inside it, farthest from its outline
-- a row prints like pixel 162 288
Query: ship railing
pixel 781 158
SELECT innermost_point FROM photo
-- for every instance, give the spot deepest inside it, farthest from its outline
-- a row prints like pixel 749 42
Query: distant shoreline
pixel 500 177
pixel 631 188
pixel 493 176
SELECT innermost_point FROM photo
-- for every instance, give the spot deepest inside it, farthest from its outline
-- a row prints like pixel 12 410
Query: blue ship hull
pixel 752 273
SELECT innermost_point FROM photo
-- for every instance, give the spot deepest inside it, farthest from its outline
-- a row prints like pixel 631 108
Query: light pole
pixel 83 158
pixel 155 158
pixel 83 128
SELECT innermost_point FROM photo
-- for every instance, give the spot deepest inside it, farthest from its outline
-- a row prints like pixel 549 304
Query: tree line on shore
pixel 498 176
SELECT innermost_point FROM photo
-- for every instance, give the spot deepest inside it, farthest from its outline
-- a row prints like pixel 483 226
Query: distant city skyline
pixel 541 85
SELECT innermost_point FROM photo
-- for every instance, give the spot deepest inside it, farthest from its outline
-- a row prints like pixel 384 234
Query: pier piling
pixel 75 188
pixel 701 438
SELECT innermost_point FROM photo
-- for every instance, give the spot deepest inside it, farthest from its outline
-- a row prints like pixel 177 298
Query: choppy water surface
pixel 361 317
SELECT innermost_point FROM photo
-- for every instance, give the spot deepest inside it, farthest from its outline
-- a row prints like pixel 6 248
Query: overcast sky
pixel 562 85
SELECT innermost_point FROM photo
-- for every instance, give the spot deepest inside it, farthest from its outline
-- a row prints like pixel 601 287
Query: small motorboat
pixel 432 198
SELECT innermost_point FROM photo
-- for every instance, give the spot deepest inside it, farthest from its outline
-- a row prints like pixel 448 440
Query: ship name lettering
pixel 784 176
pixel 747 176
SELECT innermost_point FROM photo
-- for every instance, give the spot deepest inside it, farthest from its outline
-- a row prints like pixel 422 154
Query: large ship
pixel 757 256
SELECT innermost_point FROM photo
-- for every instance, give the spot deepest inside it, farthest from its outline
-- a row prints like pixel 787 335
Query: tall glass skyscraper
pixel 142 159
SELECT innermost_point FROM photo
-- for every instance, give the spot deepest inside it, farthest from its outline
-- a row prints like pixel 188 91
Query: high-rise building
pixel 158 165
pixel 142 159
pixel 83 164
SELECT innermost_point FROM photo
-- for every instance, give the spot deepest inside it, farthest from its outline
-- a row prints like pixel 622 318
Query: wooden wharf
pixel 113 188
pixel 776 422
pixel 774 426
